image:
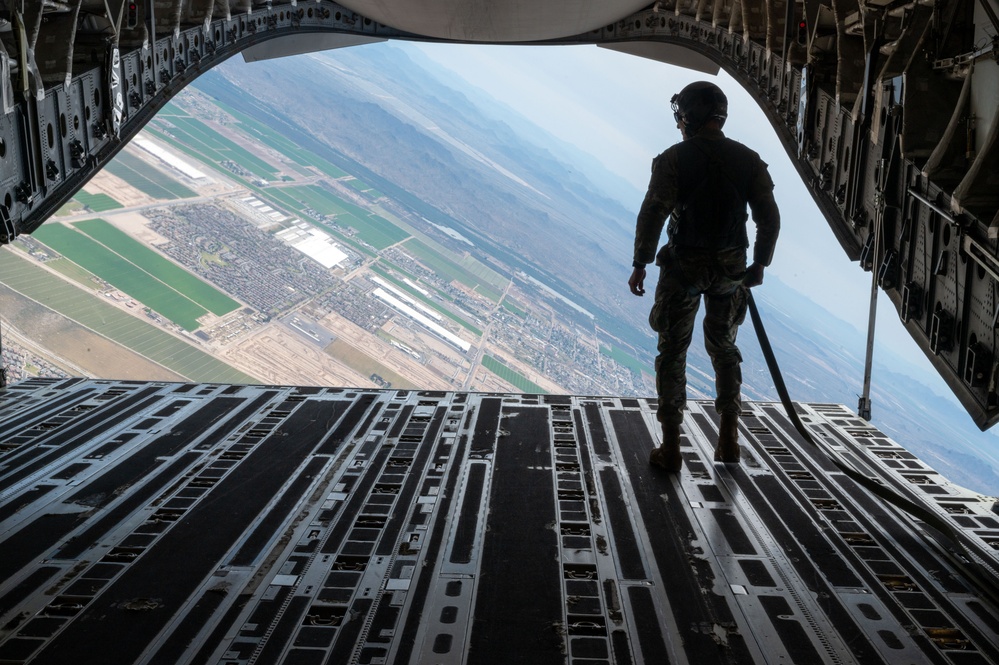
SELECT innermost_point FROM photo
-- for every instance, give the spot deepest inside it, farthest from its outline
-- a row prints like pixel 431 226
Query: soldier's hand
pixel 754 276
pixel 637 281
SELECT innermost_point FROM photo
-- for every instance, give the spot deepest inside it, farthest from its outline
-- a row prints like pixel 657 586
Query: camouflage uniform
pixel 705 182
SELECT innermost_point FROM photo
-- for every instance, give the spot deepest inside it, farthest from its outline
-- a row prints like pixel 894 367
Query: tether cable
pixel 984 579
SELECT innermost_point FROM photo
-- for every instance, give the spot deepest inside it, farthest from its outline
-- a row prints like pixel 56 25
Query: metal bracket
pixel 7 229
pixel 980 255
pixel 941 331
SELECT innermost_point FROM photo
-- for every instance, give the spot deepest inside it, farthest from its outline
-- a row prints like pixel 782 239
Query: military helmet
pixel 698 103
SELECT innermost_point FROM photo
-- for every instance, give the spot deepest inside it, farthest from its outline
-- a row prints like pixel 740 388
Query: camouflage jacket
pixel 705 183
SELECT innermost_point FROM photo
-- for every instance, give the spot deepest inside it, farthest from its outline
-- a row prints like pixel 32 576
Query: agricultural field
pixel 259 131
pixel 96 202
pixel 624 359
pixel 71 207
pixel 447 268
pixel 152 130
pixel 364 188
pixel 73 271
pixel 513 309
pixel 159 267
pixel 511 376
pixel 122 274
pixel 121 327
pixel 214 146
pixel 280 196
pixel 147 178
pixel 372 229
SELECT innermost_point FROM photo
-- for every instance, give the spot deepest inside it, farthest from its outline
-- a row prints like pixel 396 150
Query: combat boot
pixel 728 439
pixel 667 456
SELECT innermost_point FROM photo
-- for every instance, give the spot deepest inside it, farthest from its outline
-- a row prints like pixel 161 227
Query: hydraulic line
pixel 864 404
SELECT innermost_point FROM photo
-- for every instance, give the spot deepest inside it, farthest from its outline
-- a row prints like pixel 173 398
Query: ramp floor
pixel 194 523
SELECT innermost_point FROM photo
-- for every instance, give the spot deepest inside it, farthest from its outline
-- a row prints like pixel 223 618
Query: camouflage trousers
pixel 685 275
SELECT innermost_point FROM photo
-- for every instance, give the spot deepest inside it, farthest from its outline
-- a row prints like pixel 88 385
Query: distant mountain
pixel 446 151
pixel 618 188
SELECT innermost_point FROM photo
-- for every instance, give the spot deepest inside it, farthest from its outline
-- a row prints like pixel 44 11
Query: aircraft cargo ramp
pixel 201 523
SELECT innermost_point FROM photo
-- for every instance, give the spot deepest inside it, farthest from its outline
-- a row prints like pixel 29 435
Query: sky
pixel 616 107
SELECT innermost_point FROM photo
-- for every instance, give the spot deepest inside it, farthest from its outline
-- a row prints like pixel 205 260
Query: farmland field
pixel 73 271
pixel 147 179
pixel 513 309
pixel 260 131
pixel 511 376
pixel 372 229
pixel 97 202
pixel 118 326
pixel 156 265
pixel 625 359
pixel 197 134
pixel 71 207
pixel 451 270
pixel 122 274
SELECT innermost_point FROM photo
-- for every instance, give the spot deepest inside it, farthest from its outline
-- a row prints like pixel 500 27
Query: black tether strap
pixel 964 559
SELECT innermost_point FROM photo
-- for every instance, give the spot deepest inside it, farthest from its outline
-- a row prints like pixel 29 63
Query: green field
pixel 258 130
pixel 364 188
pixel 280 196
pixel 372 229
pixel 97 202
pixel 73 206
pixel 122 274
pixel 624 359
pixel 215 147
pixel 445 267
pixel 162 269
pixel 147 179
pixel 171 108
pixel 118 326
pixel 187 150
pixel 513 309
pixel 511 376
pixel 73 271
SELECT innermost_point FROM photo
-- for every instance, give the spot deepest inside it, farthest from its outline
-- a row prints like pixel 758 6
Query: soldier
pixel 704 183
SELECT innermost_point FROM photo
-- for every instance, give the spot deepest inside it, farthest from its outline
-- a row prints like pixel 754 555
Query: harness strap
pixel 960 554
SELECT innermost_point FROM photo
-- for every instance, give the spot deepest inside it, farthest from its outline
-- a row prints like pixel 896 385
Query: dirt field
pixel 386 354
pixel 442 359
pixel 57 338
pixel 366 365
pixel 118 189
pixel 137 226
pixel 280 356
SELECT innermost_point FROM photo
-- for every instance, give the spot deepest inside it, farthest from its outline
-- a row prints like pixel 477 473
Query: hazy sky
pixel 616 107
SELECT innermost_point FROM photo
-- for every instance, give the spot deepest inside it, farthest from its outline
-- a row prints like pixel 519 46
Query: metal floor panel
pixel 188 523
